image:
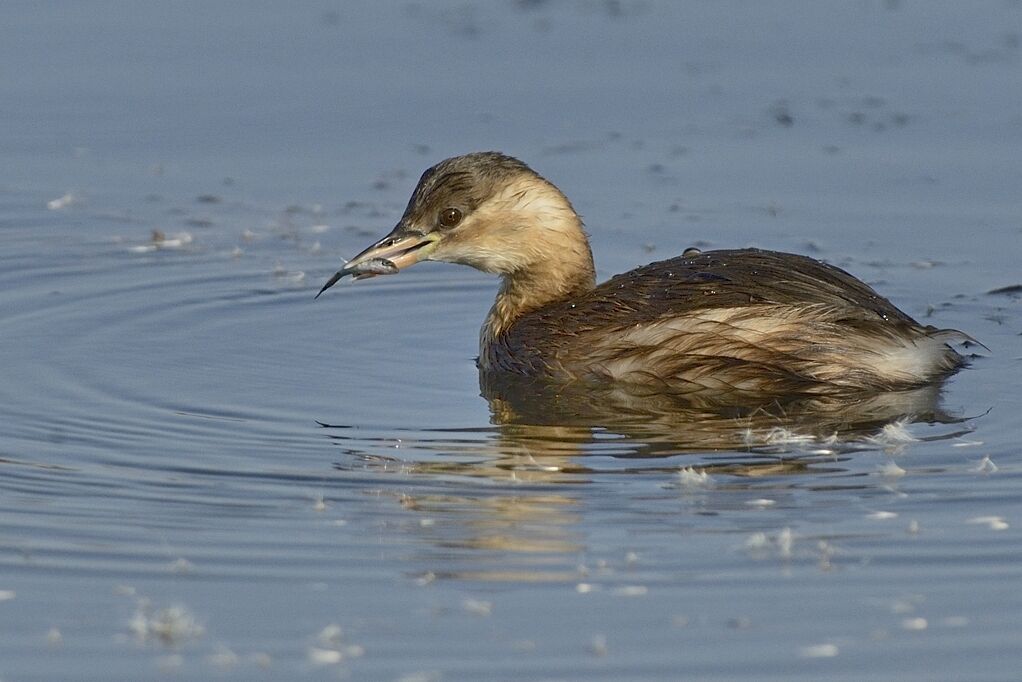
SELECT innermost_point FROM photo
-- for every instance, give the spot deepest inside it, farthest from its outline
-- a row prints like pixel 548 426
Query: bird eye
pixel 449 217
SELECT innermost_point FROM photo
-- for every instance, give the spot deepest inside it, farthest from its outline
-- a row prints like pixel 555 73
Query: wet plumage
pixel 747 321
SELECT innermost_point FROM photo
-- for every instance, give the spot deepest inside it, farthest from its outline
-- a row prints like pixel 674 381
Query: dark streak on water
pixel 203 471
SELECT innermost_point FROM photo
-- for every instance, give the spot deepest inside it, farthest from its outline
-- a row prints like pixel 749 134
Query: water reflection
pixel 508 503
pixel 660 424
pixel 528 536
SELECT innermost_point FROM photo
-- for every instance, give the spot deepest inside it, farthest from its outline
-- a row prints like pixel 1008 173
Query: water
pixel 208 474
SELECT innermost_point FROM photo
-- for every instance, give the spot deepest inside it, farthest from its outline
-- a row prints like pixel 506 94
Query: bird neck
pixel 567 272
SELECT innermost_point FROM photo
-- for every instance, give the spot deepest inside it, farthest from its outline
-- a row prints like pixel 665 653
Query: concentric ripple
pixel 181 417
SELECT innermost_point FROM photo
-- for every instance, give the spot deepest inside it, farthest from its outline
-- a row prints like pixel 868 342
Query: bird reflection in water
pixel 522 521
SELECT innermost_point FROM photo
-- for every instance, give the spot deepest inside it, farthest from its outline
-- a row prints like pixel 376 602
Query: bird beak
pixel 401 248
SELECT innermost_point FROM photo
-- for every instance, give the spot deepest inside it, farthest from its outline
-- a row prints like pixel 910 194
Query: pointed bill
pixel 396 251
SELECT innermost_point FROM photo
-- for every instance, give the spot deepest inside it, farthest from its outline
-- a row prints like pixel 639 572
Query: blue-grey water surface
pixel 206 474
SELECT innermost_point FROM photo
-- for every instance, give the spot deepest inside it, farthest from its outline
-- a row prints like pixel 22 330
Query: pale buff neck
pixel 566 270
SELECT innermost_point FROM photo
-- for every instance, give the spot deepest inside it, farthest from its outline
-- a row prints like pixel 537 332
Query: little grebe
pixel 741 320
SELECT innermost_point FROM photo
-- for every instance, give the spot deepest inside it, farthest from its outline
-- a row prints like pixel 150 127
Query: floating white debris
pixel 785 541
pixel 760 543
pixel 176 241
pixel 893 436
pixel 694 479
pixel 630 591
pixel 54 637
pixel 917 623
pixel 631 558
pixel 985 466
pixel 319 504
pixel 584 588
pixel 62 202
pixel 329 648
pixel 175 624
pixel 782 436
pixel 992 522
pixel 288 276
pixel 761 502
pixel 139 623
pixel 967 444
pixel 891 470
pixel 320 228
pixel 7 595
pixel 330 636
pixel 159 241
pixel 757 541
pixel 819 651
pixel 427 523
pixel 905 604
pixel 598 645
pixel 477 607
pixel 881 515
pixel 913 527
pixel 421 676
pixel 319 656
pixel 172 625
pixel 827 552
pixel 223 658
pixel 181 565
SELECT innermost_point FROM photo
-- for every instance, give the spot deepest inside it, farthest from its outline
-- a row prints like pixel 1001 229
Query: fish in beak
pixel 398 250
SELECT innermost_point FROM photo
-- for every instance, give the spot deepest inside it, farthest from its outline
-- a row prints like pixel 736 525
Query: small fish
pixel 369 268
pixel 375 266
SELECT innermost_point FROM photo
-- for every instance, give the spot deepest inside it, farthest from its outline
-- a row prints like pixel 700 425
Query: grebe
pixel 746 320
